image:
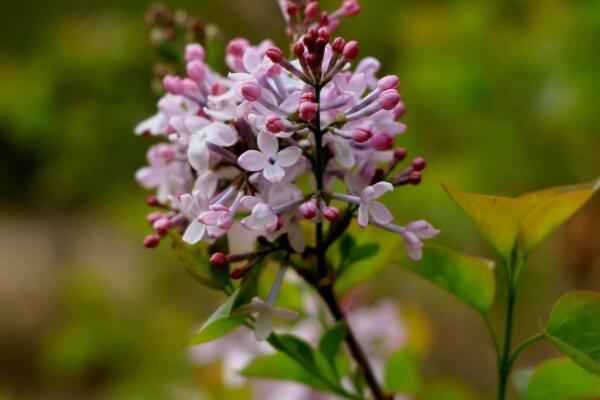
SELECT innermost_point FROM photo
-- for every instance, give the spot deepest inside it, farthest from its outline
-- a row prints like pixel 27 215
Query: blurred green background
pixel 503 97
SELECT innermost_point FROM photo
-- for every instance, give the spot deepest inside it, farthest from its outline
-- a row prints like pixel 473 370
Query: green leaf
pixel 195 261
pixel 402 373
pixel 561 379
pixel 524 220
pixel 365 258
pixel 330 343
pixel 282 367
pixel 574 328
pixel 550 214
pixel 469 278
pixel 219 323
pixel 293 346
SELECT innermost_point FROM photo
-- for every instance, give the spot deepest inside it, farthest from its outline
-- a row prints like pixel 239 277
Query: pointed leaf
pixel 525 220
pixel 282 367
pixel 469 278
pixel 550 214
pixel 561 379
pixel 402 373
pixel 574 328
pixel 219 323
pixel 330 343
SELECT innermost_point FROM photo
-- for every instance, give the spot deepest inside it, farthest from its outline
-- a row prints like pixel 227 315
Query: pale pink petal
pixel 414 252
pixel 363 215
pixel 296 238
pixel 148 177
pixel 264 325
pixel 249 202
pixel 261 211
pixel 251 60
pixel 344 154
pixel 206 183
pixel 423 229
pixel 380 213
pixel 254 224
pixel 194 232
pixel 288 157
pixel 273 173
pixel 198 154
pixel 253 160
pixel 267 143
pixel 221 134
pixel 286 314
pixel 194 123
pixel 380 188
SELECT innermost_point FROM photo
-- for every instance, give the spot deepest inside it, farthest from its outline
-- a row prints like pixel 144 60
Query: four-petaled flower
pixel 373 208
pixel 195 204
pixel 268 159
pixel 413 233
pixel 265 313
pixel 262 217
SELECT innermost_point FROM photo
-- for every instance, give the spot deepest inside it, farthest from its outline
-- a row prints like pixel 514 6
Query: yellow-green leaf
pixel 561 379
pixel 524 220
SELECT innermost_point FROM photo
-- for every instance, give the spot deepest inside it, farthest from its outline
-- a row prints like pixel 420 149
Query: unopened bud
pixel 350 8
pixel 237 47
pixel 331 213
pixel 309 209
pixel 251 91
pixel 172 84
pixel 389 99
pixel 151 241
pixel 308 111
pixel 414 178
pixel 400 154
pixel 400 110
pixel 338 45
pixel 274 123
pixel 382 141
pixel 361 135
pixel 275 54
pixel 219 260
pixel 299 49
pixel 351 50
pixel 419 163
pixel 196 70
pixel 162 225
pixel 312 10
pixel 152 201
pixel 193 52
pixel 154 216
pixel 388 82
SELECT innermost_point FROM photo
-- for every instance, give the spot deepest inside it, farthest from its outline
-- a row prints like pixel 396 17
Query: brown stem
pixel 356 350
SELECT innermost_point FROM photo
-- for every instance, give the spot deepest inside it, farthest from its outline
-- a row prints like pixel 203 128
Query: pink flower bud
pixel 419 163
pixel 279 223
pixel 400 110
pixel 194 52
pixel 400 154
pixel 350 8
pixel 274 123
pixel 414 178
pixel 298 49
pixel 308 209
pixel 312 10
pixel 292 10
pixel 166 152
pixel 275 54
pixel 324 34
pixel 389 99
pixel 237 273
pixel 196 70
pixel 162 225
pixel 154 216
pixel 189 86
pixel 218 260
pixel 151 241
pixel 274 71
pixel 173 84
pixel 152 201
pixel 388 82
pixel 307 96
pixel 361 135
pixel 331 213
pixel 351 50
pixel 308 111
pixel 237 47
pixel 218 89
pixel 382 141
pixel 251 91
pixel 338 45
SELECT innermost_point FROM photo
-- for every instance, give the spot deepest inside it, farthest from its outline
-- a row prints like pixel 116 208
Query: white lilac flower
pixel 268 159
pixel 370 207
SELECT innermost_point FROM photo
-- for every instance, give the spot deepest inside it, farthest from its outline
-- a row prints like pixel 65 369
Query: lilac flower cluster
pixel 266 145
